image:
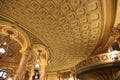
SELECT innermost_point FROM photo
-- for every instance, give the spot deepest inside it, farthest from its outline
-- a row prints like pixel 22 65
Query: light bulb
pixel 1 73
pixel 38 60
pixel 37 65
pixel 36 77
pixel 4 75
pixel 114 54
pixel 4 43
pixel 2 50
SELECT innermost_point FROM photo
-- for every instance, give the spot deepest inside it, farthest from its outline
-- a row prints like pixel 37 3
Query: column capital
pixel 41 53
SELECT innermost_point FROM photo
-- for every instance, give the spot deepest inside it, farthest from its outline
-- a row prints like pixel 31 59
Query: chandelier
pixel 6 74
pixel 36 75
pixel 3 75
pixel 115 50
pixel 4 46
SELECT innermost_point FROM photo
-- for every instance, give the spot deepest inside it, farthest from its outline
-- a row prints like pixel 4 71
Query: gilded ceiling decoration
pixel 71 29
pixel 101 59
pixel 13 55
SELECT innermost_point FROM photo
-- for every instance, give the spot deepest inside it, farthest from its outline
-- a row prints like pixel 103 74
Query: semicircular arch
pixel 15 33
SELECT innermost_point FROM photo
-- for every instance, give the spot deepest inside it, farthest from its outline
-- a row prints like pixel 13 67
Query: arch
pixel 15 33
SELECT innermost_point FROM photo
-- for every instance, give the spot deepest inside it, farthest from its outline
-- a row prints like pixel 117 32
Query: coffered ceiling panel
pixel 71 29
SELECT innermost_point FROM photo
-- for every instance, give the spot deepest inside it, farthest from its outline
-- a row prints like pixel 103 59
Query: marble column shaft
pixel 22 68
pixel 42 72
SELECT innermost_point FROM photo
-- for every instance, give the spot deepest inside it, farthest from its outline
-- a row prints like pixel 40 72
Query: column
pixel 42 72
pixel 31 73
pixel 43 63
pixel 22 68
pixel 74 76
pixel 58 75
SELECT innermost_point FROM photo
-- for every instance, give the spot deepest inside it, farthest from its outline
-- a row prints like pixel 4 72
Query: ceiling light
pixel 38 60
pixel 36 76
pixel 4 43
pixel 3 48
pixel 2 51
pixel 114 54
pixel 37 65
pixel 70 78
pixel 3 74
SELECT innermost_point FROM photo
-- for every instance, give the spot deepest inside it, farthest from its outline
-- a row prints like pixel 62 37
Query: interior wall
pixel 52 77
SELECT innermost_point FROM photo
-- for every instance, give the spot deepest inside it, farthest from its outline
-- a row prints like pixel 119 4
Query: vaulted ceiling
pixel 72 30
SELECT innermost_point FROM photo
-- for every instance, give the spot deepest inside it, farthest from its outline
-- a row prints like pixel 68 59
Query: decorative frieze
pixel 97 60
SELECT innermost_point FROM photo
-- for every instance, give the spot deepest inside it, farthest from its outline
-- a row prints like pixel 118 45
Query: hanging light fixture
pixel 115 50
pixel 3 75
pixel 37 65
pixel 114 54
pixel 5 43
pixel 3 49
pixel 36 75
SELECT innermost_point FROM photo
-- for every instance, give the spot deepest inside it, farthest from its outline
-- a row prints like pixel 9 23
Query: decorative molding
pixel 10 68
pixel 65 74
pixel 115 32
pixel 96 60
pixel 111 73
pixel 68 27
pixel 16 33
pixel 42 53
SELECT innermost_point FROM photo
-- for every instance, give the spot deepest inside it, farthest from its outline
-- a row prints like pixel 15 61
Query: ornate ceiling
pixel 13 56
pixel 70 29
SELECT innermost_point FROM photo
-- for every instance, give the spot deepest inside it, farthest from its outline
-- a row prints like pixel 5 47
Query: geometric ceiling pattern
pixel 71 29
